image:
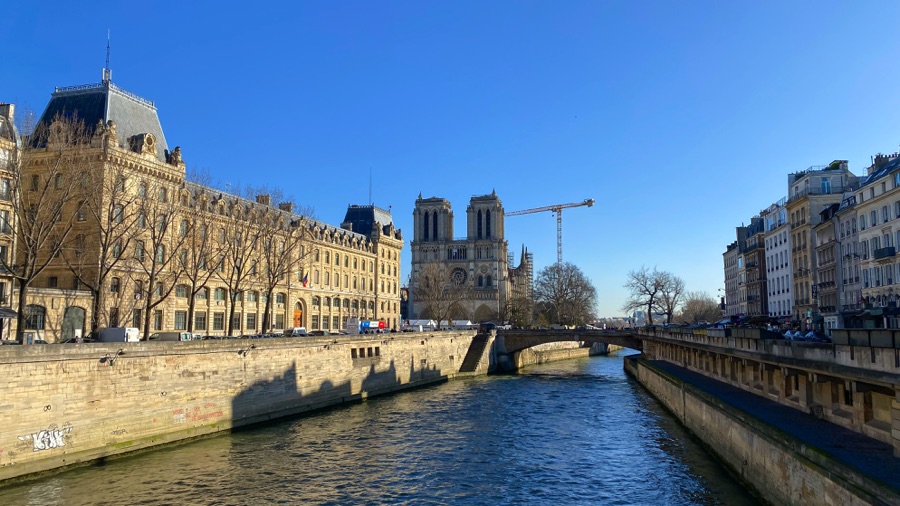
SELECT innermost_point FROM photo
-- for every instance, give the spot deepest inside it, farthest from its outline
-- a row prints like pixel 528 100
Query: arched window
pixel 114 284
pixel 34 317
pixel 336 302
pixel 426 226
pixel 478 225
pixel 487 281
pixel 487 224
pixel 434 226
pixel 480 281
pixel 220 294
pixel 163 195
pixel 279 298
pixel 315 301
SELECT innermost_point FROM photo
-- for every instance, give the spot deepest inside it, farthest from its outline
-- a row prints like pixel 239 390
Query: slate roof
pixel 105 101
pixel 361 218
pixel 882 171
pixel 7 129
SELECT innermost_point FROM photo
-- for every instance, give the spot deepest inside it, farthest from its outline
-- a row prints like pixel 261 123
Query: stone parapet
pixel 70 404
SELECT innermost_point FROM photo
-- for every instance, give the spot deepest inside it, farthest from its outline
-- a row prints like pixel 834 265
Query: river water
pixel 572 432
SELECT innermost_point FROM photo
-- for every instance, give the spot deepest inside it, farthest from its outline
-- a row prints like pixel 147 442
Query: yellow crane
pixel 557 209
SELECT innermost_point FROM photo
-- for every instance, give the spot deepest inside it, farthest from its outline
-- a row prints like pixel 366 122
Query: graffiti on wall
pixel 47 439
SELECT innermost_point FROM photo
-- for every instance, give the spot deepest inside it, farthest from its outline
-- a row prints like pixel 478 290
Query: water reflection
pixel 574 432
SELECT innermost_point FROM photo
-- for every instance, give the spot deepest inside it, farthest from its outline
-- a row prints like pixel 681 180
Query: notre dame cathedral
pixel 480 261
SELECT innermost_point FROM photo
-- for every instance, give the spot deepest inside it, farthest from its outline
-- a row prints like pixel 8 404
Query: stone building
pixel 151 250
pixel 778 262
pixel 878 217
pixel 9 139
pixel 732 279
pixel 809 192
pixel 478 261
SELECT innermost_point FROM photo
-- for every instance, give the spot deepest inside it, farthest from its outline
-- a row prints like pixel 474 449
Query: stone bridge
pixel 518 340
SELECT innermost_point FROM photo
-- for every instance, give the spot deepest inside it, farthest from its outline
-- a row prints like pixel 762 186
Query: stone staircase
pixel 476 350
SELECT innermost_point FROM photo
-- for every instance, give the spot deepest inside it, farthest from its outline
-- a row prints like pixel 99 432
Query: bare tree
pixel 237 266
pixel 196 253
pixel 517 310
pixel 285 243
pixel 46 176
pixel 111 220
pixel 670 294
pixel 441 294
pixel 700 307
pixel 566 293
pixel 155 248
pixel 645 287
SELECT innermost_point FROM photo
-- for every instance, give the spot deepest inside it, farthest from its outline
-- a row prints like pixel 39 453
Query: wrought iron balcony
pixel 887 252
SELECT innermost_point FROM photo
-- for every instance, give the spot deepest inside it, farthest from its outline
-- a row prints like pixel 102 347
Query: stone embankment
pixel 786 456
pixel 67 405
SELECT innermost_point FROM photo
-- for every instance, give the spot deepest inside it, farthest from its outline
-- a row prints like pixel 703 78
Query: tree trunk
pixel 95 310
pixel 20 317
pixel 266 315
pixel 190 314
pixel 230 325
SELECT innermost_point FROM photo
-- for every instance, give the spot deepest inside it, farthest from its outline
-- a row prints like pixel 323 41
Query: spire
pixel 107 72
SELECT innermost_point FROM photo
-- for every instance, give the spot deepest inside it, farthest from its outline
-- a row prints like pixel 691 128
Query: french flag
pixel 305 279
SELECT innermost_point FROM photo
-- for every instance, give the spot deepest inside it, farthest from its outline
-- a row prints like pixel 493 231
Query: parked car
pixel 320 333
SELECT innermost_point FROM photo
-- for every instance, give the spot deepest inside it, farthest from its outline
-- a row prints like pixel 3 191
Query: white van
pixel 119 335
pixel 296 332
pixel 171 336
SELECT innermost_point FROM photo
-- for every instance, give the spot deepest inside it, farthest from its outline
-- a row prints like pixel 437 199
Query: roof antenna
pixel 107 73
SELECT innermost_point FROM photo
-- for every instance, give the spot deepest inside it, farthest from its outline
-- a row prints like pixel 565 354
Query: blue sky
pixel 682 119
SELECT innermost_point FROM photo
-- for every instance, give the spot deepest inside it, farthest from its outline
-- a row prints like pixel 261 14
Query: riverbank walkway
pixel 856 451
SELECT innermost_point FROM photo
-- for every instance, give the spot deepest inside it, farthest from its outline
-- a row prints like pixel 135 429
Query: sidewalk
pixel 856 451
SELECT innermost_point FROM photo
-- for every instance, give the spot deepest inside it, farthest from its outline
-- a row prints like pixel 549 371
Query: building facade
pixel 809 193
pixel 138 245
pixel 878 217
pixel 9 142
pixel 479 261
pixel 778 262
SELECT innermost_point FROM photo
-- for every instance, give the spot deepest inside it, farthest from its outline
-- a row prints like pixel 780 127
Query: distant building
pixel 479 260
pixel 778 262
pixel 809 193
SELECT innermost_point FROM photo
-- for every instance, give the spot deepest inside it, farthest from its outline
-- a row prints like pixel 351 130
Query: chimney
pixel 7 111
pixel 263 199
pixel 286 207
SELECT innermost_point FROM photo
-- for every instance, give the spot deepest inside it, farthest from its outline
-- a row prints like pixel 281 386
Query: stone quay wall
pixel 65 405
pixel 777 467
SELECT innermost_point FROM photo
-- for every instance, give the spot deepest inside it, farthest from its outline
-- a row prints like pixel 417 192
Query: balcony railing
pixel 887 252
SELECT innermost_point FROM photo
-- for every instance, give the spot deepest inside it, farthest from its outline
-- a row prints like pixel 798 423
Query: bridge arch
pixel 517 340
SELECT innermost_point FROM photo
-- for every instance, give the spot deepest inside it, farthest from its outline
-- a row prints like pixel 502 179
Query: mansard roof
pixel 105 101
pixel 362 218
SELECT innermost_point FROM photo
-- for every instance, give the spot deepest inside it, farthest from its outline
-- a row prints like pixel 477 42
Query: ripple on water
pixel 574 432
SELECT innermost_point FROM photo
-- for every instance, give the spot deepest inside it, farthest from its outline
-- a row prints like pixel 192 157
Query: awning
pixel 6 312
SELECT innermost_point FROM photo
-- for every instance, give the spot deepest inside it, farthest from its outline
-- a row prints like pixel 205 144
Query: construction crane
pixel 558 210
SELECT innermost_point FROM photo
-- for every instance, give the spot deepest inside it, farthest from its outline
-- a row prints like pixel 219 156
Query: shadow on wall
pixel 280 397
